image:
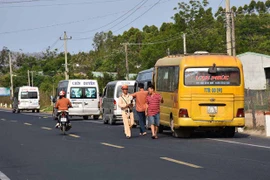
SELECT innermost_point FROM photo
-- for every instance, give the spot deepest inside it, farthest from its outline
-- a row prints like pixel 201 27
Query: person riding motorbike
pixel 62 104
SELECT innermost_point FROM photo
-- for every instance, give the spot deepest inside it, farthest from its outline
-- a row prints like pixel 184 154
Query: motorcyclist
pixel 62 104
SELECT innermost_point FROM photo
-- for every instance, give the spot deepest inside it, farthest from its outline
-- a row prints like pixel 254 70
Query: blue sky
pixel 75 17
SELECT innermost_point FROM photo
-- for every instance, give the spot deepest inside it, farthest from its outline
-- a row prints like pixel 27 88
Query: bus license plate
pixel 212 109
pixel 63 119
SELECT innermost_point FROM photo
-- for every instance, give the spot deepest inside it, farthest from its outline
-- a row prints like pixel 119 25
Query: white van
pixel 26 98
pixel 84 97
pixel 110 110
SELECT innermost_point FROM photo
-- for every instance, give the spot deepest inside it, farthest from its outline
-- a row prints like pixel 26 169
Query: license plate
pixel 63 120
pixel 212 109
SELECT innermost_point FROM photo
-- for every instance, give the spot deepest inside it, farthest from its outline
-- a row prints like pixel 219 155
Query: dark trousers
pixel 142 121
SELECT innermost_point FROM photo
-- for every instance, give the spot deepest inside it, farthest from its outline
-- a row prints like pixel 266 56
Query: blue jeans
pixel 142 121
pixel 154 120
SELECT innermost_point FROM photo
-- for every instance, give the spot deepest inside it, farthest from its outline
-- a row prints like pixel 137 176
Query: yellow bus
pixel 201 92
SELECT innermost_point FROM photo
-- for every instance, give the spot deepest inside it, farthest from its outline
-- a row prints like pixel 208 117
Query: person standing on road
pixel 141 107
pixel 126 105
pixel 153 101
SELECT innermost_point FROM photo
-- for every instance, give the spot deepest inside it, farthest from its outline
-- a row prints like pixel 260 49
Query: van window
pixel 76 92
pixel 91 93
pixel 119 90
pixel 110 91
pixel 29 95
pixel 167 78
pixel 225 76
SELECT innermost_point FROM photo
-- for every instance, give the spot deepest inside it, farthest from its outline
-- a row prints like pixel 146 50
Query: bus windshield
pixel 225 76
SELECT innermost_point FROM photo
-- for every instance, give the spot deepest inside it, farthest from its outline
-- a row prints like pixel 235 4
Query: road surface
pixel 32 149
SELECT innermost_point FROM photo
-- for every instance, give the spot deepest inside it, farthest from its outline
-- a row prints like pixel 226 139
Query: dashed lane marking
pixel 181 162
pixel 240 143
pixel 46 128
pixel 3 119
pixel 3 176
pixel 28 124
pixel 74 135
pixel 112 145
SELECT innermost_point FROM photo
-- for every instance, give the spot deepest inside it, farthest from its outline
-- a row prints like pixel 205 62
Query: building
pixel 256 70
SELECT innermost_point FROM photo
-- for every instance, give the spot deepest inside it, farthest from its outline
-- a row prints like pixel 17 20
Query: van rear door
pixel 29 99
pixel 91 101
pixel 76 98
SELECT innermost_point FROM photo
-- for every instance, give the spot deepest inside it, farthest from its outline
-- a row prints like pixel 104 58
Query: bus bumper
pixel 188 122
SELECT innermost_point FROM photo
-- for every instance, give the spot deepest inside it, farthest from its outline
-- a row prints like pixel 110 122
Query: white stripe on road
pixel 3 119
pixel 28 124
pixel 180 162
pixel 112 145
pixel 46 128
pixel 74 135
pixel 3 176
pixel 240 143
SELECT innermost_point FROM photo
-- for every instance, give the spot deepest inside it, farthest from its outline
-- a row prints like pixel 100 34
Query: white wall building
pixel 256 70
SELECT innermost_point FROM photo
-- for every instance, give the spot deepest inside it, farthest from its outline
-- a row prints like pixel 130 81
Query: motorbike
pixel 63 121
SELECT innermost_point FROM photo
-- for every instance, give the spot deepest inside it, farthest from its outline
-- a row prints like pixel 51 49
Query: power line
pixel 63 4
pixel 139 16
pixel 91 30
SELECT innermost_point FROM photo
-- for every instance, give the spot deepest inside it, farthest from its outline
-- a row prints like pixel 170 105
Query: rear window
pixel 225 76
pixel 29 95
pixel 83 92
pixel 119 90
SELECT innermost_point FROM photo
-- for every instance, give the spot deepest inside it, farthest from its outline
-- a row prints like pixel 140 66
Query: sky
pixel 33 25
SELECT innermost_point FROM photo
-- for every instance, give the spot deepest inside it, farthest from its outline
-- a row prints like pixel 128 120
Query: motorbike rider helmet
pixel 62 93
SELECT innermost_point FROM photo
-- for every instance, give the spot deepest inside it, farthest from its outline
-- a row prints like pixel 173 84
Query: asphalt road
pixel 31 149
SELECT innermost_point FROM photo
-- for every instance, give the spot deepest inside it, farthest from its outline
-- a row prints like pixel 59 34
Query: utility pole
pixel 184 45
pixel 65 44
pixel 32 73
pixel 233 35
pixel 11 76
pixel 126 51
pixel 228 28
pixel 28 75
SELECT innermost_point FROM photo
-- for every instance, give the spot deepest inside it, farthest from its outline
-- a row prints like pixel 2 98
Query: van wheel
pixel 85 117
pixel 37 110
pixel 160 129
pixel 33 111
pixel 228 132
pixel 96 117
pixel 182 133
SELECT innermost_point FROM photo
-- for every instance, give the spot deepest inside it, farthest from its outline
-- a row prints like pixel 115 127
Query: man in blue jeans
pixel 141 106
pixel 153 101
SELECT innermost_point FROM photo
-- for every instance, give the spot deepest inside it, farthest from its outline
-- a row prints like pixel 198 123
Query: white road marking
pixel 181 162
pixel 74 135
pixel 3 176
pixel 240 143
pixel 46 128
pixel 3 119
pixel 112 145
pixel 28 124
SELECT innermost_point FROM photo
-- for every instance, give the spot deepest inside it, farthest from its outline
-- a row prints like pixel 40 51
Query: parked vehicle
pixel 110 110
pixel 26 98
pixel 200 91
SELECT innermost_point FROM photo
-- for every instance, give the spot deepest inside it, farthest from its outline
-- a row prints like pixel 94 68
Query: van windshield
pixel 28 95
pixel 119 90
pixel 225 76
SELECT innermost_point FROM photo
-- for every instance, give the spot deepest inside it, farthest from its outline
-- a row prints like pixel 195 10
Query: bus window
pixel 225 76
